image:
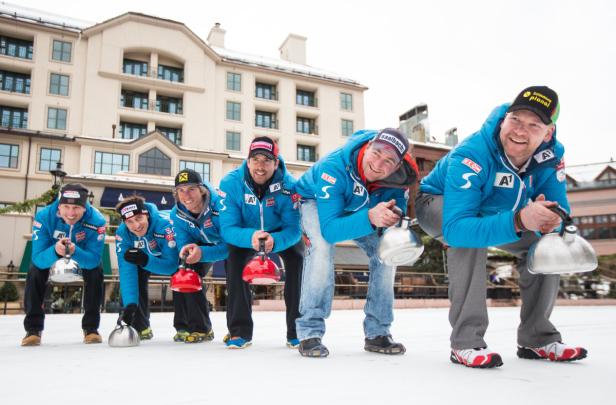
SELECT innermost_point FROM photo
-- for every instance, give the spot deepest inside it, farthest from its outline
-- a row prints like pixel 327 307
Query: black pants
pixel 192 311
pixel 239 303
pixel 142 316
pixel 34 295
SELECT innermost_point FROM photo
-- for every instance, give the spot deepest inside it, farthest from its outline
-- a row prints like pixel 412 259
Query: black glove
pixel 136 256
pixel 128 314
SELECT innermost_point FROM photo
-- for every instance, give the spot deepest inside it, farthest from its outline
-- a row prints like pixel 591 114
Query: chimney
pixel 293 49
pixel 216 36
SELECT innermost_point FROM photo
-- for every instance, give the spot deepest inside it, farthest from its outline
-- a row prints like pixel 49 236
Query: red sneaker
pixel 476 358
pixel 556 351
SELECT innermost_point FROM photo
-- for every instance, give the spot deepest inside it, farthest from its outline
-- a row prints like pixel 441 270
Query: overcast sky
pixel 462 58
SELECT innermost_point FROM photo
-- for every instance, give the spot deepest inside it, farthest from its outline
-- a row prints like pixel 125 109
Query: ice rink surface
pixel 63 370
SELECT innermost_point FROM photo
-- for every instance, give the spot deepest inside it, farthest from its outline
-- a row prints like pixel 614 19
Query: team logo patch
pixel 152 244
pixel 59 234
pixel 100 230
pixel 504 180
pixel 222 193
pixel 250 199
pixel 126 211
pixel 474 166
pixel 118 238
pixel 183 178
pixel 270 202
pixel 358 189
pixel 169 236
pixel 208 223
pixel 36 224
pixel 261 145
pixel 79 236
pixel 544 155
pixel 467 178
pixel 561 175
pixel 100 237
pixel 296 197
pixel 139 244
pixel 392 140
pixel 325 191
pixel 168 231
pixel 328 178
pixel 171 244
pixel 71 194
pixel 275 187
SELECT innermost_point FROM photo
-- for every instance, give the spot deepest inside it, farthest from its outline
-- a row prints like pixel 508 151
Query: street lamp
pixel 91 197
pixel 58 175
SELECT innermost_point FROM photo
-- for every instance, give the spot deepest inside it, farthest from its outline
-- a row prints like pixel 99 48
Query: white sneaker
pixel 556 351
pixel 476 358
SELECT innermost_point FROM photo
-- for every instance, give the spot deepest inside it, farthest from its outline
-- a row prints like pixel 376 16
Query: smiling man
pixel 495 189
pixel 70 224
pixel 197 230
pixel 145 243
pixel 257 203
pixel 348 195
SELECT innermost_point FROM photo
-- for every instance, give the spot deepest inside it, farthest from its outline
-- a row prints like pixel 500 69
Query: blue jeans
pixel 318 282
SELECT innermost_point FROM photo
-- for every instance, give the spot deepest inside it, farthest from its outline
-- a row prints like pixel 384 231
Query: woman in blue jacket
pixel 145 243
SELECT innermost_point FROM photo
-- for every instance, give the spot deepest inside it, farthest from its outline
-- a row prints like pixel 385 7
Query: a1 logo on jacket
pixel 505 180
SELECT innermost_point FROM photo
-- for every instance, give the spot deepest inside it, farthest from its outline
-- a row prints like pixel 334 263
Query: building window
pixel 110 163
pixel 13 117
pixel 135 67
pixel 234 81
pixel 61 51
pixel 306 153
pixel 133 99
pixel 170 73
pixel 48 159
pixel 234 140
pixel 15 82
pixel 9 155
pixel 154 162
pixel 265 119
pixel 597 226
pixel 266 91
pixel 173 134
pixel 171 105
pixel 56 118
pixel 234 111
pixel 200 167
pixel 347 127
pixel 18 48
pixel 58 84
pixel 346 101
pixel 128 130
pixel 306 125
pixel 304 97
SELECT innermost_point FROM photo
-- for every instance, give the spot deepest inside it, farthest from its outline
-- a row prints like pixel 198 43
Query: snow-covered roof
pixel 123 179
pixel 431 144
pixel 587 172
pixel 281 65
pixel 42 17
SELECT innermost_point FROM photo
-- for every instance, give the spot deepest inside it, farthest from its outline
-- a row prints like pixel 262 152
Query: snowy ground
pixel 65 371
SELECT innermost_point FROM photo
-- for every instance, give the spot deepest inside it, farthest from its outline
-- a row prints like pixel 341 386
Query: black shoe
pixel 313 348
pixel 384 345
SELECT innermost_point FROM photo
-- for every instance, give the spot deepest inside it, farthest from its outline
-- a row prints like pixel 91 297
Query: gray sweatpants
pixel 468 314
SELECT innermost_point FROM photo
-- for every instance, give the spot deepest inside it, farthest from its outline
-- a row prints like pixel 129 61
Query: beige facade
pixel 119 81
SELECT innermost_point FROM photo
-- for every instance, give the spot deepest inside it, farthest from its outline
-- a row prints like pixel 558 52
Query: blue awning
pixel 111 196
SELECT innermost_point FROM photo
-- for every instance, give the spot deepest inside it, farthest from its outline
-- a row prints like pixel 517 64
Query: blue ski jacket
pixel 242 213
pixel 482 190
pixel 88 235
pixel 343 199
pixel 158 243
pixel 203 230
